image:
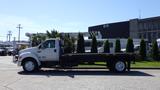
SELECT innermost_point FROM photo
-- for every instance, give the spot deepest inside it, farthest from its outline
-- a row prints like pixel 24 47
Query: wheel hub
pixel 120 66
pixel 29 65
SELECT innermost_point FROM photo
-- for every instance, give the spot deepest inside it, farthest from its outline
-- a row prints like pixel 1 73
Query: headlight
pixel 20 57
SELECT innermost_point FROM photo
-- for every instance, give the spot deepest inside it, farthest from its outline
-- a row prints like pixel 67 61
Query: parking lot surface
pixel 13 78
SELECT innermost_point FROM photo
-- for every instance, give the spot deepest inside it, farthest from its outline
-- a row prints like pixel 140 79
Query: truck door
pixel 48 51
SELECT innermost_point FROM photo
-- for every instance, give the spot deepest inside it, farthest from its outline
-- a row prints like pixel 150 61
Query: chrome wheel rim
pixel 120 66
pixel 29 66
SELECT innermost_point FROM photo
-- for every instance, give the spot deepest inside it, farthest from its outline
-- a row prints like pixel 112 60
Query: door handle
pixel 55 50
pixel 38 51
pixel 43 57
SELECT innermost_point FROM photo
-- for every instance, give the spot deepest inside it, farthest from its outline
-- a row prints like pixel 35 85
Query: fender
pixel 29 54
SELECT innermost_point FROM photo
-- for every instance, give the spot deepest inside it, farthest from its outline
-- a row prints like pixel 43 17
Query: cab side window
pixel 49 44
pixel 52 44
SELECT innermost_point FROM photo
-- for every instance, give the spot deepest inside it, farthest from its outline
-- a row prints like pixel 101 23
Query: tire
pixel 30 65
pixel 119 66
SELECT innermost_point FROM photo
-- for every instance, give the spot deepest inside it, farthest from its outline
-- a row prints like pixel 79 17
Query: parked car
pixel 3 51
pixel 10 51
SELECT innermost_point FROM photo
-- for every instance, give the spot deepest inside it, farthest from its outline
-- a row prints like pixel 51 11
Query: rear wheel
pixel 30 65
pixel 119 66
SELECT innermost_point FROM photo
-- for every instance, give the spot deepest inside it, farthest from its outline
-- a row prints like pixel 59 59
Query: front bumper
pixel 15 59
pixel 19 63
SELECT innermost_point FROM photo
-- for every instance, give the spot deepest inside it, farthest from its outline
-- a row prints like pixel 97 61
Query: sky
pixel 69 15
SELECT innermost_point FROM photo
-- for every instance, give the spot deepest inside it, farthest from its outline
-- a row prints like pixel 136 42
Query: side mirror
pixel 39 47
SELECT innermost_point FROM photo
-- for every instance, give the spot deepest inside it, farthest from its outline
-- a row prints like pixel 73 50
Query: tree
pixel 80 44
pixel 22 47
pixel 94 45
pixel 118 46
pixel 73 40
pixel 68 44
pixel 106 47
pixel 130 45
pixel 155 51
pixel 52 34
pixel 142 50
pixel 37 39
pixel 34 40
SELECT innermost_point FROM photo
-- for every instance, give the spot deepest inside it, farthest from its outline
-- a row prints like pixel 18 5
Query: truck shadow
pixel 72 73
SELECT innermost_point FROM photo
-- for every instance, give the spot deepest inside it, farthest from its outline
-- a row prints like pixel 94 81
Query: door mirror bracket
pixel 41 47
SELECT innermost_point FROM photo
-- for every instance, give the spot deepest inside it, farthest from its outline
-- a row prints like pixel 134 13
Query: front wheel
pixel 30 66
pixel 120 66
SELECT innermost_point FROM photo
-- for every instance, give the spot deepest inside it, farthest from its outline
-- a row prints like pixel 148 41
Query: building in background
pixel 112 30
pixel 147 28
pixel 75 34
pixel 71 34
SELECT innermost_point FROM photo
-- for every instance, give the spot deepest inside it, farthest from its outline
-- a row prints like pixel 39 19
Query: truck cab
pixel 49 50
pixel 32 58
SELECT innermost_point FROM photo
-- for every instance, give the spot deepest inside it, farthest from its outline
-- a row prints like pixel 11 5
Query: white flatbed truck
pixel 48 54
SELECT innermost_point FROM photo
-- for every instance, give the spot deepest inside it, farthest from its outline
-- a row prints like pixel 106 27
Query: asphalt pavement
pixel 12 77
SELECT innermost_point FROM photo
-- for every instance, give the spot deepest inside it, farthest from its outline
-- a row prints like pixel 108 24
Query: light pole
pixel 19 28
pixel 9 35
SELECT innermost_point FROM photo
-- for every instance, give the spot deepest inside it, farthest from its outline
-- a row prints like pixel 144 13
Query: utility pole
pixel 9 35
pixel 14 43
pixel 19 28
